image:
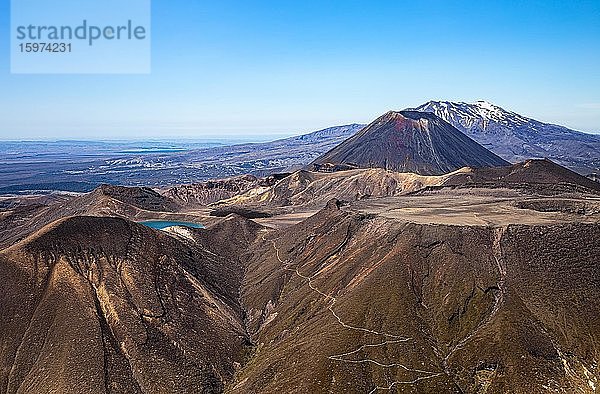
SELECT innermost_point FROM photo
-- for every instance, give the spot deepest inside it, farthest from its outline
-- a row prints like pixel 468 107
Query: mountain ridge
pixel 515 137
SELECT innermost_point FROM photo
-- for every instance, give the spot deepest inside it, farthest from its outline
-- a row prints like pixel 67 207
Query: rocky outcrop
pixel 205 193
pixel 312 190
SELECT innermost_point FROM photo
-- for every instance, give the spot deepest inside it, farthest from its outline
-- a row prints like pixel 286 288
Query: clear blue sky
pixel 231 68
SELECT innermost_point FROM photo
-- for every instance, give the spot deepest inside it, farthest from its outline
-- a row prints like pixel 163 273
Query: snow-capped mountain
pixel 515 137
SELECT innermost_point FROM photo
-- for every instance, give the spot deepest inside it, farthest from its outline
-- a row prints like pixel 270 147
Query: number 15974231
pixel 50 47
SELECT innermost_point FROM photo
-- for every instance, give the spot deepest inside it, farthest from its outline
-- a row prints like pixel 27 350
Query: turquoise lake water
pixel 159 224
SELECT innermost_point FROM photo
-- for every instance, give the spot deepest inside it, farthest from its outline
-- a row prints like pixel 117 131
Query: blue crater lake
pixel 160 225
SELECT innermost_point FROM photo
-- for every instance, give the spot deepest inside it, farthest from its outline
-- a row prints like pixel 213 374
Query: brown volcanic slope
pixel 535 171
pixel 127 202
pixel 459 289
pixel 138 197
pixel 205 193
pixel 105 305
pixel 312 190
pixel 410 141
pixel 306 191
pixel 363 299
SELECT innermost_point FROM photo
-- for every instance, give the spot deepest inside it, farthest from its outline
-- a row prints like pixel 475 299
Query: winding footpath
pixel 387 338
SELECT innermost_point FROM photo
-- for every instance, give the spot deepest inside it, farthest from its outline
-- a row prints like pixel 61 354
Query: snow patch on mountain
pixel 515 137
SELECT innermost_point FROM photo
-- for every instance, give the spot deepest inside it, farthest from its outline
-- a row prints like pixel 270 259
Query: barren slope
pixel 312 190
pixel 356 300
pixel 410 141
pixel 133 203
pixel 104 305
pixel 528 172
pixel 205 193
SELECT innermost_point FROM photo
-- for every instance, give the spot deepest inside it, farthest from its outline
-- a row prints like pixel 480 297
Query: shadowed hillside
pixel 115 303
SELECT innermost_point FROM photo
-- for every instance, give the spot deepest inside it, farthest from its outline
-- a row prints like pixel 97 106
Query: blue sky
pixel 247 68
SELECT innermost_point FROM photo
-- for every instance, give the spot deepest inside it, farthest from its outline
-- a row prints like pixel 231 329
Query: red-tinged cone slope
pixel 411 141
